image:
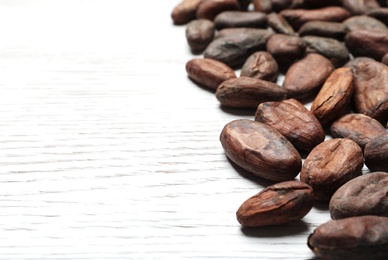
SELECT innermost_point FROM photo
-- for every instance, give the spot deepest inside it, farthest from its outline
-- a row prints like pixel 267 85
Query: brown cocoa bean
pixel 376 153
pixel 380 14
pixel 372 44
pixel 305 77
pixel 370 88
pixel 363 22
pixel 324 29
pixel 285 48
pixel 209 9
pixel 261 150
pixel 232 19
pixel 245 92
pixel 260 65
pixel 361 237
pixel 364 195
pixel 185 11
pixel 334 97
pixel 262 5
pixel 277 204
pixel 357 7
pixel 294 121
pixel 279 24
pixel 297 17
pixel 357 127
pixel 330 165
pixel 234 45
pixel 209 73
pixel 332 49
pixel 199 33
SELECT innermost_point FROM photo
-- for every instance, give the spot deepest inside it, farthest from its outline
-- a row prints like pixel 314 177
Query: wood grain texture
pixel 109 151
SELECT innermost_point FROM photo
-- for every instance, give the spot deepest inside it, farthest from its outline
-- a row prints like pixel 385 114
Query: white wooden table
pixel 109 151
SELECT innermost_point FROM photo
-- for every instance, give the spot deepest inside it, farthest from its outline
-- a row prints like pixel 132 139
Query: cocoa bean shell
pixel 260 65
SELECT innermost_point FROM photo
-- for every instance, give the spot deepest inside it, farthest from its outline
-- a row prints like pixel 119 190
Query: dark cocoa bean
pixel 306 76
pixel 364 195
pixel 363 22
pixel 285 48
pixel 334 97
pixel 294 121
pixel 330 165
pixel 357 127
pixel 361 237
pixel 279 24
pixel 231 19
pixel 380 14
pixel 209 73
pixel 324 29
pixel 376 153
pixel 260 65
pixel 372 44
pixel 245 92
pixel 277 204
pixel 199 33
pixel 261 150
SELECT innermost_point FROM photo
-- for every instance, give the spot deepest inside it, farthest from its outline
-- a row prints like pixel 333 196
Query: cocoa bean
pixel 285 48
pixel 185 11
pixel 199 33
pixel 279 24
pixel 232 19
pixel 260 65
pixel 324 29
pixel 376 153
pixel 209 9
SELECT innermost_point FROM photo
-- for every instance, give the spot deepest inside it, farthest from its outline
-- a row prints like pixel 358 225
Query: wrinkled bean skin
pixel 260 65
pixel 199 33
pixel 357 127
pixel 277 204
pixel 376 153
pixel 330 165
pixel 364 195
pixel 209 73
pixel 334 97
pixel 261 150
pixel 370 79
pixel 294 121
pixel 361 237
pixel 245 92
pixel 305 77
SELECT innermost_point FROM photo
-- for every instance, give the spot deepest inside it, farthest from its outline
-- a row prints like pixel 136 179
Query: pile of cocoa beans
pixel 332 107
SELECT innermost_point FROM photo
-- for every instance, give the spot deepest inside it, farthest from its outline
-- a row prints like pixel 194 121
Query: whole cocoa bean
pixel 209 9
pixel 330 165
pixel 332 49
pixel 334 96
pixel 285 48
pixel 361 237
pixel 380 14
pixel 279 24
pixel 260 65
pixel 234 45
pixel 370 88
pixel 363 22
pixel 245 92
pixel 185 11
pixel 294 121
pixel 305 77
pixel 372 44
pixel 376 153
pixel 209 73
pixel 199 33
pixel 357 127
pixel 297 17
pixel 357 7
pixel 324 29
pixel 262 5
pixel 231 19
pixel 261 150
pixel 277 204
pixel 364 195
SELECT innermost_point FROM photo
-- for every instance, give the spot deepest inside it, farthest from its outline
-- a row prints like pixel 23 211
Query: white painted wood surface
pixel 109 151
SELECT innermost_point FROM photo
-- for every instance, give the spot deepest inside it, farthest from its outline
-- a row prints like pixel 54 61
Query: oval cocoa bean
pixel 334 96
pixel 285 48
pixel 294 121
pixel 362 237
pixel 357 7
pixel 245 92
pixel 376 153
pixel 261 150
pixel 260 65
pixel 330 165
pixel 372 44
pixel 305 77
pixel 231 19
pixel 279 24
pixel 277 204
pixel 364 195
pixel 363 22
pixel 357 127
pixel 199 33
pixel 185 11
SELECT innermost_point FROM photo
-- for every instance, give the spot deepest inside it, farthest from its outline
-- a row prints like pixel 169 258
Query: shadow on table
pixel 239 111
pixel 294 228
